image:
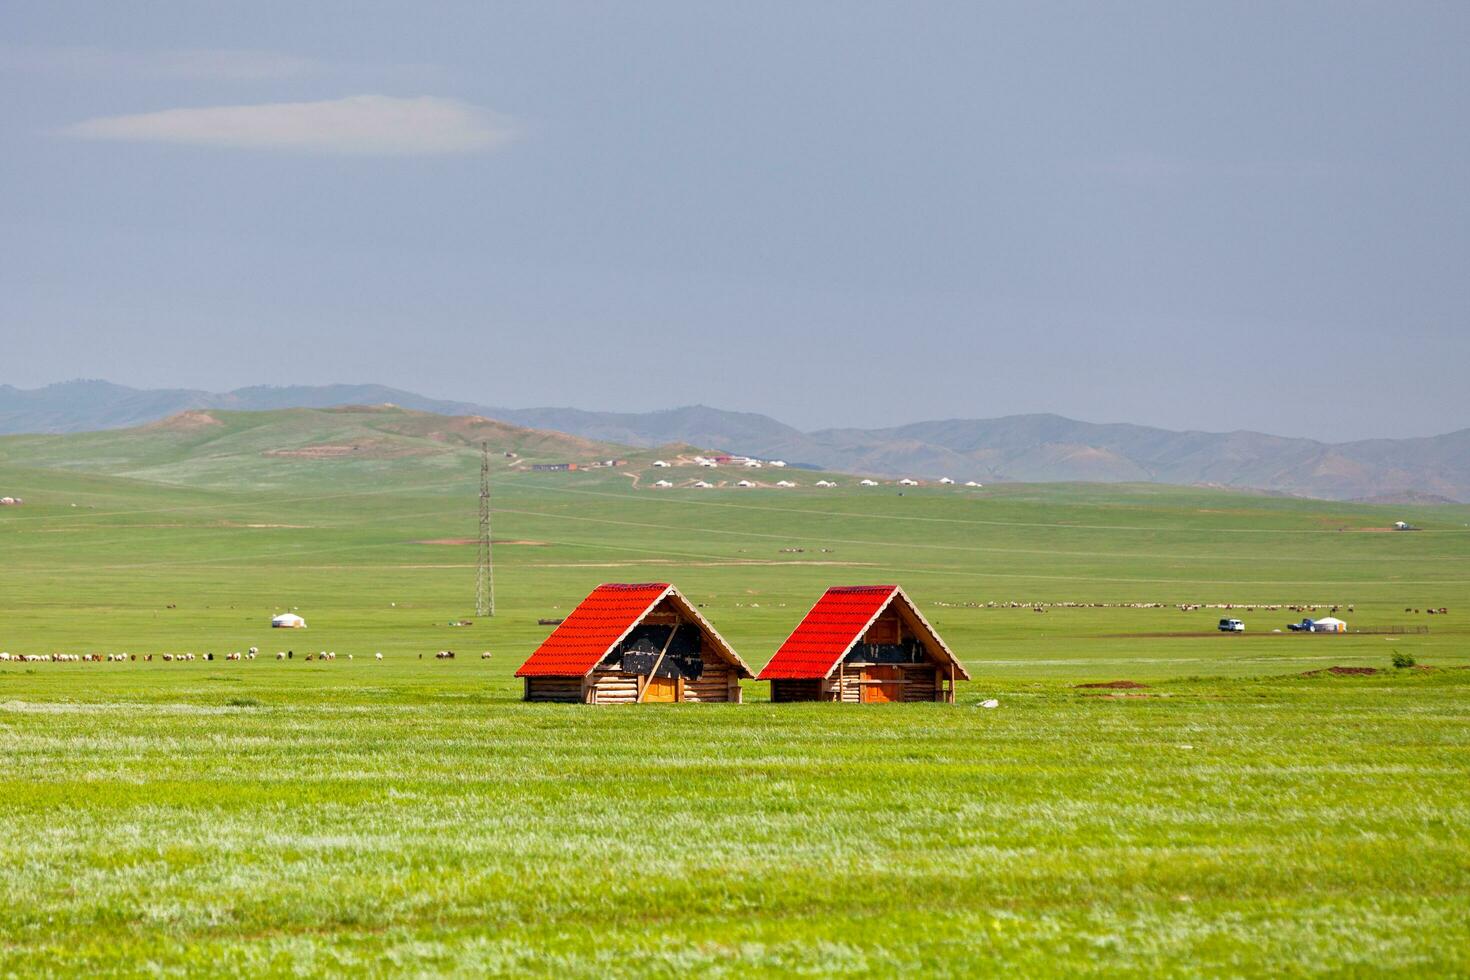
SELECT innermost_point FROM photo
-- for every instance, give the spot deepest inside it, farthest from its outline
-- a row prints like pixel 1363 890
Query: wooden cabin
pixel 627 644
pixel 864 644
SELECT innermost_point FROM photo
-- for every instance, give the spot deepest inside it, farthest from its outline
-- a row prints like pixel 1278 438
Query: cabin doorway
pixel 882 684
pixel 661 689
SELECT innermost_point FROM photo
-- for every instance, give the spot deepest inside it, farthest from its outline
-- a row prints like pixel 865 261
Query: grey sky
pixel 1220 215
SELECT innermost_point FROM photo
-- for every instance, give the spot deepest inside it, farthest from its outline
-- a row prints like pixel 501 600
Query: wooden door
pixel 660 689
pixel 881 684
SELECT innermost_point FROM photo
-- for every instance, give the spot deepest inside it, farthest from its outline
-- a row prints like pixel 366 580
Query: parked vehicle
pixel 1231 626
pixel 1305 626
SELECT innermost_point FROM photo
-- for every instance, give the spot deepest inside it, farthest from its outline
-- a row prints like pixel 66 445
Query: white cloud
pixel 359 124
pixel 217 64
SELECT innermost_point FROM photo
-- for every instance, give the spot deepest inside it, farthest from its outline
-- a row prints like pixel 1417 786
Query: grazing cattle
pixel 378 656
pixel 485 655
pixel 444 655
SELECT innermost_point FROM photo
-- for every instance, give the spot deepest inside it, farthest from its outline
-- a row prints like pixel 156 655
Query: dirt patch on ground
pixel 361 450
pixel 313 452
pixel 1342 672
pixel 238 524
pixel 184 422
pixel 732 563
pixel 464 541
pixel 1116 685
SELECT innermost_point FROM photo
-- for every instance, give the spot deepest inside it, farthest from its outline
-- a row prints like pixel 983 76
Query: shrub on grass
pixel 242 703
pixel 1402 660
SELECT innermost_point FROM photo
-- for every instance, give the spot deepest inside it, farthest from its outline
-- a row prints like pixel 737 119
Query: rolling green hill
pixel 1026 448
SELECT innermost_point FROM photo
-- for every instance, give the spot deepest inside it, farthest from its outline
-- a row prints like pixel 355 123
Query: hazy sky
pixel 1215 215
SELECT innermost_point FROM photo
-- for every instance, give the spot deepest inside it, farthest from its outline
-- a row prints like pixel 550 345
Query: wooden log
pixel 557 689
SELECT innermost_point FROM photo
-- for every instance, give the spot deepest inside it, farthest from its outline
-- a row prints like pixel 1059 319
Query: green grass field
pixel 411 815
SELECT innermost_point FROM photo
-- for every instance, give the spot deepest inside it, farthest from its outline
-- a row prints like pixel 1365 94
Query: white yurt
pixel 1328 624
pixel 288 621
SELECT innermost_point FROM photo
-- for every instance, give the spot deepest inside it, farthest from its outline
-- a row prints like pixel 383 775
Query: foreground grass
pixel 412 816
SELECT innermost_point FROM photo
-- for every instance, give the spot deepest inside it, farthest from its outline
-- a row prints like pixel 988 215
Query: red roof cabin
pixel 627 644
pixel 864 644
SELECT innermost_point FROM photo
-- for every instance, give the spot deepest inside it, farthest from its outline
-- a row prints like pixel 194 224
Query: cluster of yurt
pixel 637 643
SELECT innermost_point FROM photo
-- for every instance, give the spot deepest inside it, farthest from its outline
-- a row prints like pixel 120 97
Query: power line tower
pixel 485 567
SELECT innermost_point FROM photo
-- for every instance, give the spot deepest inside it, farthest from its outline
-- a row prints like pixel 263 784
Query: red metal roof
pixel 586 636
pixel 834 624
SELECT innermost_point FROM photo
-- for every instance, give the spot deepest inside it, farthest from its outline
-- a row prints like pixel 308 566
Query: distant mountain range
pixel 1030 448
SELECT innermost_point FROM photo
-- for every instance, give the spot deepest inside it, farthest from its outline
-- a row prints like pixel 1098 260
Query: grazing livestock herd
pixel 251 654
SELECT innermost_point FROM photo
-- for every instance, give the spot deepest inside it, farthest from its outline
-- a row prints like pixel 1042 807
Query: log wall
pixel 717 683
pixel 612 687
pixel 796 690
pixel 563 689
pixel 920 683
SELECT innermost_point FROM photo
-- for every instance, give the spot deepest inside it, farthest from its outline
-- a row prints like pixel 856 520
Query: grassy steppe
pixel 411 815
